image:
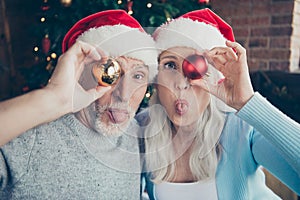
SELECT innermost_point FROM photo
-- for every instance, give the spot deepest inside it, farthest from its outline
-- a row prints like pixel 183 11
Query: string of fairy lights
pixel 45 45
pixel 46 56
pixel 42 49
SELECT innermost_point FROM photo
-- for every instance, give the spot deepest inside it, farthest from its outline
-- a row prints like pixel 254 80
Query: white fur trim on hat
pixel 188 33
pixel 121 40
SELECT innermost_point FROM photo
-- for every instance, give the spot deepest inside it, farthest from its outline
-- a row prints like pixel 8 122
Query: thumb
pixel 201 83
pixel 206 85
pixel 83 98
pixel 98 92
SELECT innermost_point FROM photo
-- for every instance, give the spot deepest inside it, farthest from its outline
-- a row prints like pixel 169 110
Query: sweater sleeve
pixel 280 130
pixel 14 157
pixel 3 172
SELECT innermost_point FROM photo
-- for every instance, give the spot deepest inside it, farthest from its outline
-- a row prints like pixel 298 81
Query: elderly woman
pixel 197 147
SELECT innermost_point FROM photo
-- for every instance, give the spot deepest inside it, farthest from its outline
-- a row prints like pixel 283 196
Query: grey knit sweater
pixel 65 160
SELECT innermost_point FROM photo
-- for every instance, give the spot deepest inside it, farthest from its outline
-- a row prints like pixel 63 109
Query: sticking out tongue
pixel 181 106
pixel 118 116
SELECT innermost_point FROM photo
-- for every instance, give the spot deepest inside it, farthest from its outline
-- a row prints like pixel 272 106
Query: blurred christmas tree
pixel 56 17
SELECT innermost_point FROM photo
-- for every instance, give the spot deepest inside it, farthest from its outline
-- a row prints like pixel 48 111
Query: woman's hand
pixel 64 81
pixel 236 89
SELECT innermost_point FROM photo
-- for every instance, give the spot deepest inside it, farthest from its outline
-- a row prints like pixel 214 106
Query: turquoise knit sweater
pixel 273 141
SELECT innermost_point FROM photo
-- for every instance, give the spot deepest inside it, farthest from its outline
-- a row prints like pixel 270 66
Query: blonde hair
pixel 160 154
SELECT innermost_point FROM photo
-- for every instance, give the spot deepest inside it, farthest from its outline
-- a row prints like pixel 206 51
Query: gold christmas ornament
pixel 107 74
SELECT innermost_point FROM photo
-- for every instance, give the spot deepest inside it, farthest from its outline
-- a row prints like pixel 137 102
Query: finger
pixel 83 98
pixel 201 83
pixel 218 57
pixel 240 50
pixel 219 61
pixel 231 55
pixel 226 52
pixel 205 85
pixel 81 50
pixel 103 54
pixel 217 51
pixel 78 71
pixel 99 91
pixel 218 64
pixel 208 57
pixel 90 52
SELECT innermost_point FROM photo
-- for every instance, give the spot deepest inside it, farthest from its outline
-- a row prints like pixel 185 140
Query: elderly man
pixel 92 154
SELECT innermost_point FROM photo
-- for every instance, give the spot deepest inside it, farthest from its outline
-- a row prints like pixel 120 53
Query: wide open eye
pixel 170 65
pixel 139 76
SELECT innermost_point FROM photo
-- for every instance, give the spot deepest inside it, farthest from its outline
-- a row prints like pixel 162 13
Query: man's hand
pixel 64 81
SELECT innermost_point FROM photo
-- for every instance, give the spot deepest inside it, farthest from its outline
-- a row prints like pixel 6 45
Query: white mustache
pixel 118 105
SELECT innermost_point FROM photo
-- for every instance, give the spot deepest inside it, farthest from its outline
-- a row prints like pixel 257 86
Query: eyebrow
pixel 141 66
pixel 168 57
pixel 123 62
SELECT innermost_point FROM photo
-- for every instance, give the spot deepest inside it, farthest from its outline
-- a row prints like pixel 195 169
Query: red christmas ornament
pixel 45 8
pixel 194 66
pixel 46 44
pixel 129 6
pixel 25 89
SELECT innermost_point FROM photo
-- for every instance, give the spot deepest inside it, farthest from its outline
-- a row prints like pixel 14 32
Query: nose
pixel 122 90
pixel 181 82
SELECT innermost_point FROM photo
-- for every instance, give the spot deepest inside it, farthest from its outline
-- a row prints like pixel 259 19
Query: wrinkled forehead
pixel 177 52
pixel 128 63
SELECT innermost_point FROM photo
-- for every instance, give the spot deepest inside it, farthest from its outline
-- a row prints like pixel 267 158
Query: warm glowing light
pixel 147 94
pixel 168 19
pixel 119 2
pixel 48 58
pixel 35 49
pixel 53 55
pixel 149 5
pixel 66 2
pixel 43 19
pixel 130 12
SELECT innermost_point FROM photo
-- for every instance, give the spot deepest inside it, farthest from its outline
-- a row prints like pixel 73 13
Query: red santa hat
pixel 200 29
pixel 117 34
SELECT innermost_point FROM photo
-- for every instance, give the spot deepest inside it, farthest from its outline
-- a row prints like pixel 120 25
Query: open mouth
pixel 117 116
pixel 181 106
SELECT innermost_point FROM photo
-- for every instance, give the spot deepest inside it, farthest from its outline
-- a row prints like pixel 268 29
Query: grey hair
pixel 160 154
